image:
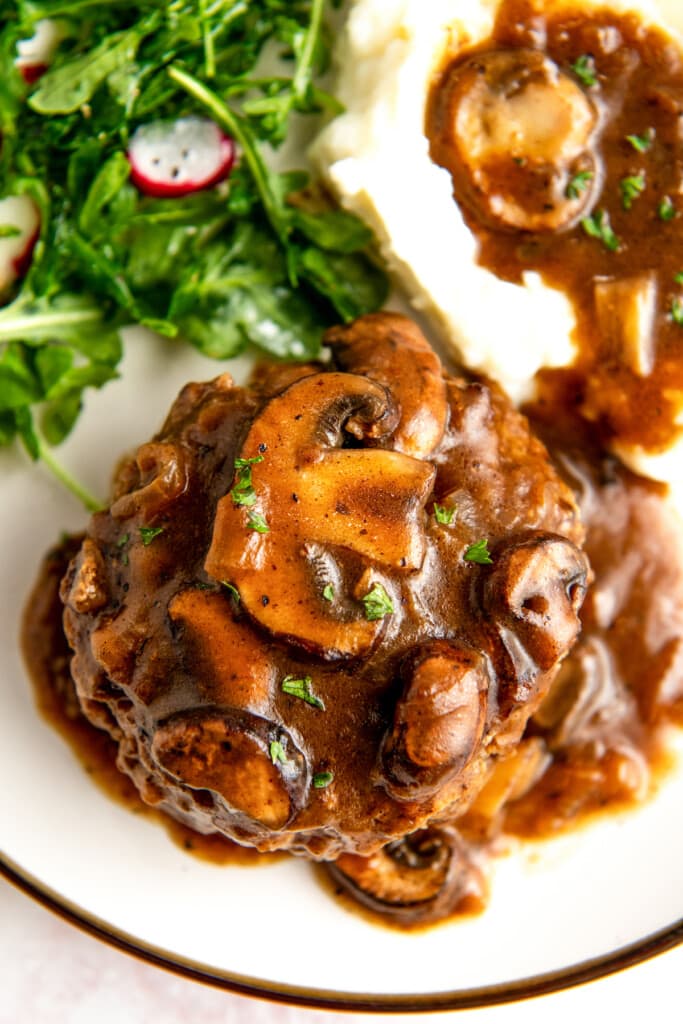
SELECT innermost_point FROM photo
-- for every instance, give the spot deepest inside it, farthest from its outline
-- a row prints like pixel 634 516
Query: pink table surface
pixel 52 973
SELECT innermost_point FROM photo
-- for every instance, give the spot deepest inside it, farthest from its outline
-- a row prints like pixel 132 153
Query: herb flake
pixel 257 522
pixel 328 593
pixel 303 689
pixel 377 603
pixel 578 184
pixel 148 533
pixel 243 492
pixel 630 188
pixel 232 590
pixel 479 553
pixel 677 312
pixel 277 752
pixel 443 514
pixel 642 143
pixel 599 226
pixel 584 69
pixel 666 210
pixel 321 780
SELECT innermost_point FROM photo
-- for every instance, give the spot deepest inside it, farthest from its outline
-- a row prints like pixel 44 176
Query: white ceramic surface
pixel 554 905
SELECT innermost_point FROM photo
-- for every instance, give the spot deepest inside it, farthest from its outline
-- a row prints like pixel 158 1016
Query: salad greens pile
pixel 230 266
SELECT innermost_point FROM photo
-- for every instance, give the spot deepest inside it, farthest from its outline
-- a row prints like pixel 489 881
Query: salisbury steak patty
pixel 319 605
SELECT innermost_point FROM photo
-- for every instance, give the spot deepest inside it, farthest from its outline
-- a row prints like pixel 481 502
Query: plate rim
pixel 584 971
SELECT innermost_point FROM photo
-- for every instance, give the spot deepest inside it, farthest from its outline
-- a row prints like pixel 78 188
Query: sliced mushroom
pixel 533 595
pixel 313 494
pixel 420 878
pixel 515 132
pixel 253 765
pixel 392 350
pixel 438 721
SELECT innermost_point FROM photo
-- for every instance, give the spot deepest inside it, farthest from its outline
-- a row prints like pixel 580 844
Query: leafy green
pixel 666 210
pixel 321 780
pixel 578 184
pixel 251 261
pixel 642 143
pixel 443 514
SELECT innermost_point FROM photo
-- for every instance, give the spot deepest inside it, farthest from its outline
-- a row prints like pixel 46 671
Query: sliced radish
pixel 34 54
pixel 21 213
pixel 177 157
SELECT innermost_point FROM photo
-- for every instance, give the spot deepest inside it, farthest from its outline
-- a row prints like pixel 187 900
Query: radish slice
pixel 21 213
pixel 35 54
pixel 178 157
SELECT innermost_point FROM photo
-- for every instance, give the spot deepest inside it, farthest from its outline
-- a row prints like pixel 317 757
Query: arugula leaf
pixel 71 84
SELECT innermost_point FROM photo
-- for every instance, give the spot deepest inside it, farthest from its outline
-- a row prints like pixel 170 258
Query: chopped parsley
pixel 642 143
pixel 479 553
pixel 584 69
pixel 9 231
pixel 258 523
pixel 598 226
pixel 578 184
pixel 232 589
pixel 677 312
pixel 678 278
pixel 123 540
pixel 377 603
pixel 631 187
pixel 322 780
pixel 666 209
pixel 148 533
pixel 277 752
pixel 443 514
pixel 303 689
pixel 328 592
pixel 243 492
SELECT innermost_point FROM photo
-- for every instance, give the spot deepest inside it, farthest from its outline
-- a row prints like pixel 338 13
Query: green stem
pixel 236 127
pixel 209 52
pixel 39 324
pixel 91 503
pixel 304 71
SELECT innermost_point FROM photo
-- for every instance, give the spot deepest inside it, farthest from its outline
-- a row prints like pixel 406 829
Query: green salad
pixel 253 259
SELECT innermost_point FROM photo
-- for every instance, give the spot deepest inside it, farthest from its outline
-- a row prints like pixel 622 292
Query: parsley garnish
pixel 598 226
pixel 277 752
pixel 232 589
pixel 677 312
pixel 123 540
pixel 666 209
pixel 584 69
pixel 328 592
pixel 302 688
pixel 631 188
pixel 578 184
pixel 257 522
pixel 9 231
pixel 642 143
pixel 243 492
pixel 148 533
pixel 443 514
pixel 479 553
pixel 322 780
pixel 678 278
pixel 377 603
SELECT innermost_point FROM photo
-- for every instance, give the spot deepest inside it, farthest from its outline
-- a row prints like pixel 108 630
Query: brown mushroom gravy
pixel 336 613
pixel 562 133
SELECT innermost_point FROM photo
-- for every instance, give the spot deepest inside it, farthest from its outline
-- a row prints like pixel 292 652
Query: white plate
pixel 560 911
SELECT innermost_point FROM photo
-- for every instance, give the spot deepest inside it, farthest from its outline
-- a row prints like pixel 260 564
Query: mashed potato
pixel 376 158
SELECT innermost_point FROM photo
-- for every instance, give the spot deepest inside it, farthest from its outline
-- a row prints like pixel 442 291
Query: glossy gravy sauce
pixel 632 76
pixel 598 741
